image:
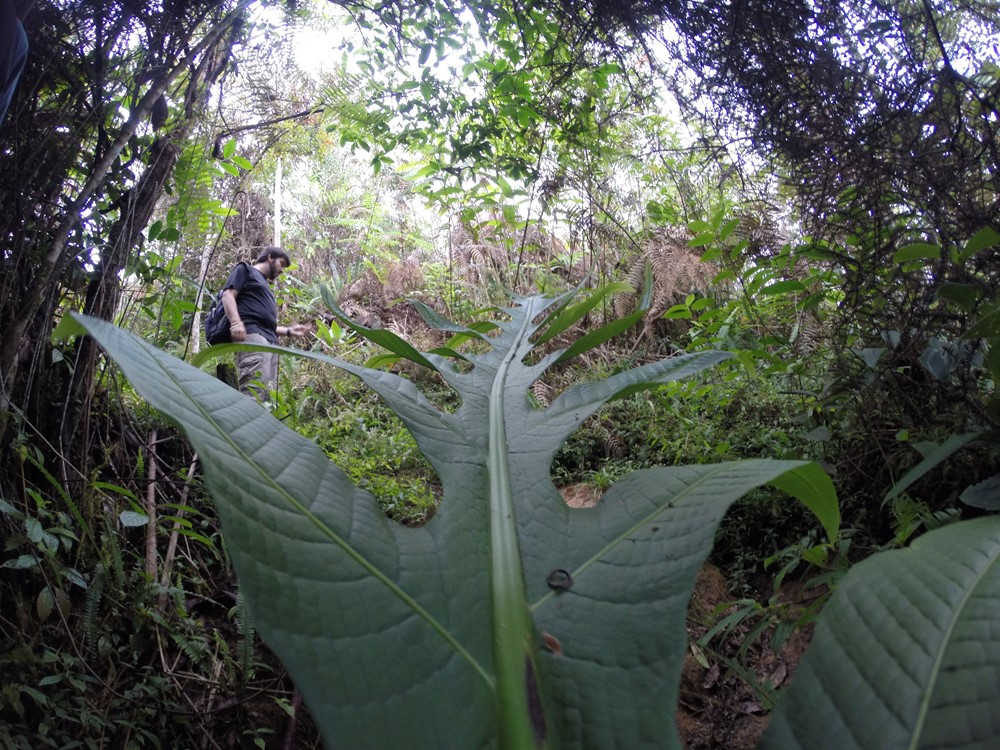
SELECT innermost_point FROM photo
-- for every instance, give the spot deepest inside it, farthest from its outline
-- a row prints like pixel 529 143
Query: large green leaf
pixel 907 652
pixel 938 454
pixel 508 620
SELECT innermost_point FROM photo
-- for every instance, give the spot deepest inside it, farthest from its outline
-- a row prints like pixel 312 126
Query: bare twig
pixel 254 125
pixel 168 560
pixel 151 508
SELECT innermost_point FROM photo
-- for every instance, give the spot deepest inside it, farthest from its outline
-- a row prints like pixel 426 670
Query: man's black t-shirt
pixel 255 301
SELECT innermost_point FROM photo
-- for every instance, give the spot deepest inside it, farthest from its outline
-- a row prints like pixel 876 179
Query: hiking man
pixel 252 311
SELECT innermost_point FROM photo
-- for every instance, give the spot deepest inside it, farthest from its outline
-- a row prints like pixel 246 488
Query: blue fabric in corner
pixel 13 53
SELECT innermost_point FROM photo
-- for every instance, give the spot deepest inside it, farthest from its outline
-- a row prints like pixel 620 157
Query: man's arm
pixel 237 331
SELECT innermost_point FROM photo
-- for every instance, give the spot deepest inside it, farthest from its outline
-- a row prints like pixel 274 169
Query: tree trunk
pixel 50 268
pixel 104 293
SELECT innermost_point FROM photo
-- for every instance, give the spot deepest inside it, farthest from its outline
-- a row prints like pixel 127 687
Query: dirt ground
pixel 717 707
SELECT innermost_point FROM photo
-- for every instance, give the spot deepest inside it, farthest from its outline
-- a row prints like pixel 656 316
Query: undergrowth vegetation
pixel 133 628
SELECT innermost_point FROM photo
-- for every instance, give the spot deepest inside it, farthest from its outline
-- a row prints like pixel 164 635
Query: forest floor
pixel 717 708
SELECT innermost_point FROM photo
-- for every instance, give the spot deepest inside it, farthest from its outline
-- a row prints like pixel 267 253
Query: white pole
pixel 277 205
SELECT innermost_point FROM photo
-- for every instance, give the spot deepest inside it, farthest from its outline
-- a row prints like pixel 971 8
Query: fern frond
pixel 111 553
pixel 244 621
pixel 222 651
pixel 677 271
pixel 195 649
pixel 92 603
pixel 178 595
pixel 543 393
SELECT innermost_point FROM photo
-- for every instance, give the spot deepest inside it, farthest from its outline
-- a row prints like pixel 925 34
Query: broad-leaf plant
pixel 510 620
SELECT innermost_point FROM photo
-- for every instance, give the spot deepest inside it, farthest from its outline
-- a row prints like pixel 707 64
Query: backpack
pixel 216 322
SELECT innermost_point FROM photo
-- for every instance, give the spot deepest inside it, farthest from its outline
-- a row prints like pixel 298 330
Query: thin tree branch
pixel 253 126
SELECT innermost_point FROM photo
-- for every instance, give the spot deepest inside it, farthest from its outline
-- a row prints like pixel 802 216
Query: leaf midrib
pixel 932 680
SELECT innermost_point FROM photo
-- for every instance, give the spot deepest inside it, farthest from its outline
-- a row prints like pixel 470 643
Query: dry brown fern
pixel 543 393
pixel 378 300
pixel 677 270
pixel 761 232
pixel 808 333
pixel 403 278
pixel 493 252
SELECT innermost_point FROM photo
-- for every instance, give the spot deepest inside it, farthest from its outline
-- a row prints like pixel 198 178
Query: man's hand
pixel 298 330
pixel 238 332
